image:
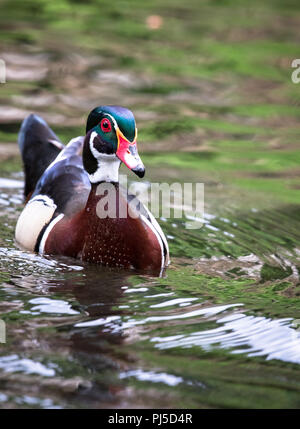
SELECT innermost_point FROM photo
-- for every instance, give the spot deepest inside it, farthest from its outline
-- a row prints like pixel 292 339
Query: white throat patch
pixel 108 165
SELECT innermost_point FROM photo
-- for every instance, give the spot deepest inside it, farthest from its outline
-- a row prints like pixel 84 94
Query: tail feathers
pixel 39 146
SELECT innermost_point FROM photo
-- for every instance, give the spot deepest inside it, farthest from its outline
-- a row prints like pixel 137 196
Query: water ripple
pixel 153 377
pixel 50 306
pixel 256 336
pixel 13 363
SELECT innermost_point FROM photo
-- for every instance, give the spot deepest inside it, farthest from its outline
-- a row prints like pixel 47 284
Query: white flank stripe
pixel 159 230
pixel 159 240
pixel 47 232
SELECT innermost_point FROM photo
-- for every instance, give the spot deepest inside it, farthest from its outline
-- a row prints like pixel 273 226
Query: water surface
pixel 212 332
pixel 214 102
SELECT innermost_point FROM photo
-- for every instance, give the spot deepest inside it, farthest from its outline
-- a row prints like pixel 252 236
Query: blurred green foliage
pixel 235 55
pixel 214 100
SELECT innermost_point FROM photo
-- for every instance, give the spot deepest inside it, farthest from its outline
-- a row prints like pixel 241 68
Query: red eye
pixel 105 125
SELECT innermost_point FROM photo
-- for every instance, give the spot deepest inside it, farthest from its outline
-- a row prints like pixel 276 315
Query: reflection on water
pixel 13 363
pixel 47 305
pixel 82 335
pixel 153 377
pixel 255 336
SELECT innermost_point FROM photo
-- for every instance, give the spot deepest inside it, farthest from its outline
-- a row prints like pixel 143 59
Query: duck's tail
pixel 39 146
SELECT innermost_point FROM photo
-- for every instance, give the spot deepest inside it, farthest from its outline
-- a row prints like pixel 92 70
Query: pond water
pixel 218 329
pixel 214 102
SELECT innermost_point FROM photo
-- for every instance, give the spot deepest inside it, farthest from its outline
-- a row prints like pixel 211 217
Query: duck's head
pixel 111 135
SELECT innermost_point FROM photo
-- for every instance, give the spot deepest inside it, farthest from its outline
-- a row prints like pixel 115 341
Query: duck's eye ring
pixel 105 125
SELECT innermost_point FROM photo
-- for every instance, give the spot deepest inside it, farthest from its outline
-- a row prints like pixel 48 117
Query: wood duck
pixel 66 213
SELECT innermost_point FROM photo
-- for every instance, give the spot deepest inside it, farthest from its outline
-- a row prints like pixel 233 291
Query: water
pixel 212 332
pixel 214 102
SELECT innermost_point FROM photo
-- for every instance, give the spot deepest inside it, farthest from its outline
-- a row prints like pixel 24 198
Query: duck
pixel 74 203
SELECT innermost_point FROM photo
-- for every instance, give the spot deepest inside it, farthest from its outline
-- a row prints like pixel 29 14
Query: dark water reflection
pixel 79 335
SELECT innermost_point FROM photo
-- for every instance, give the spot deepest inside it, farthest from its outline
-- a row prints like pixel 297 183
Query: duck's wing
pixel 65 181
pixel 62 190
pixel 39 146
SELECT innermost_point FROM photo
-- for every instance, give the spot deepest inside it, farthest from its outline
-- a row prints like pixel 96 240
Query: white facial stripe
pixel 113 119
pixel 117 127
pixel 94 151
pixel 108 165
